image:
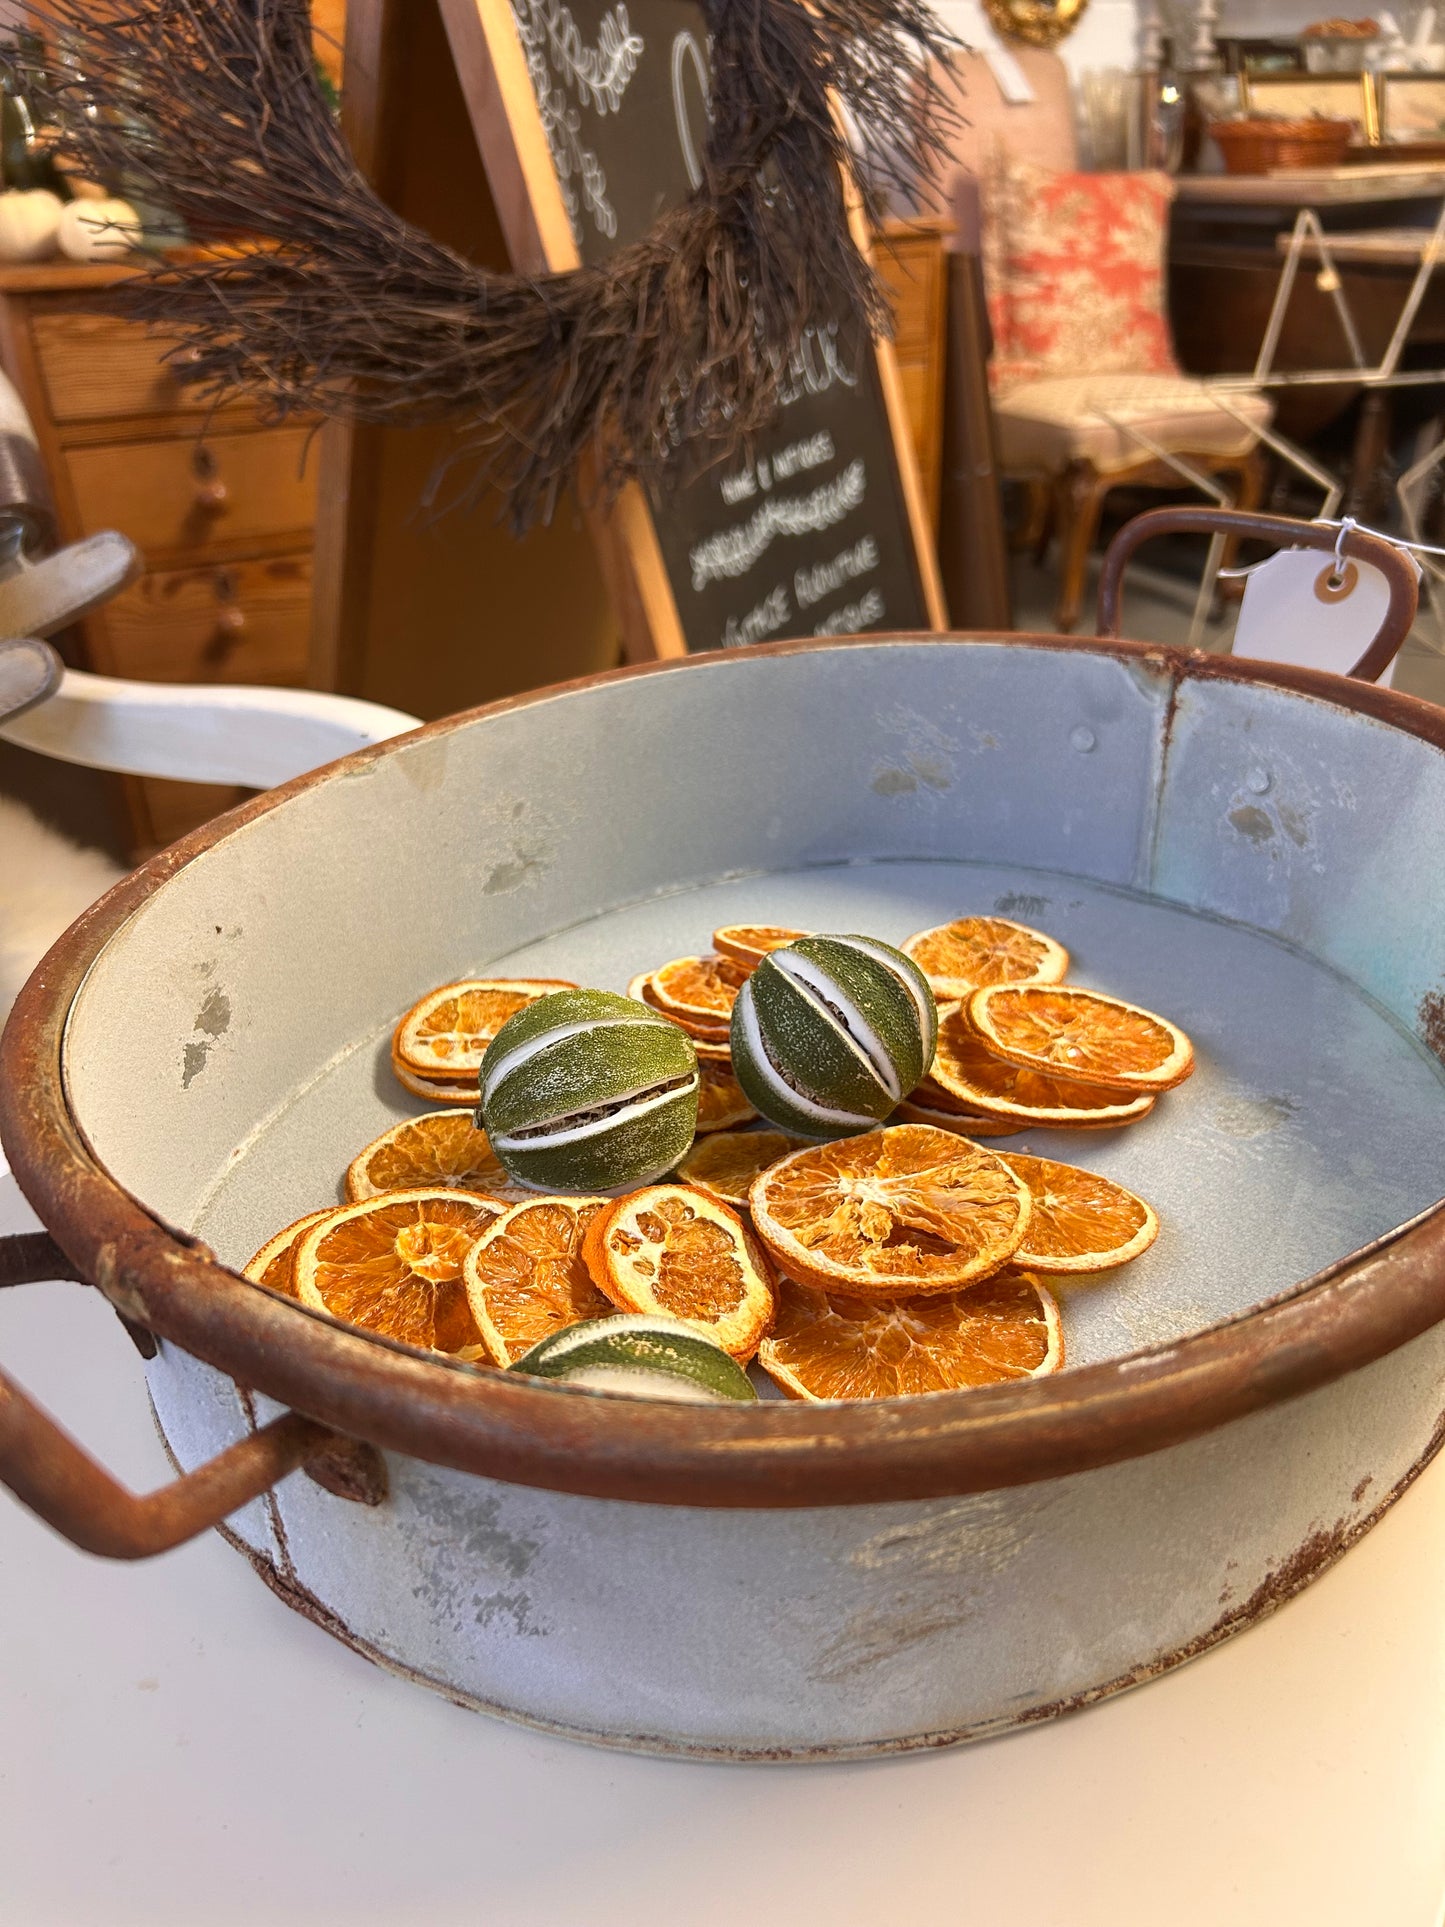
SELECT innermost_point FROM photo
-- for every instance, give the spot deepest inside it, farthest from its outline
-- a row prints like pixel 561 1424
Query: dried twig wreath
pixel 677 344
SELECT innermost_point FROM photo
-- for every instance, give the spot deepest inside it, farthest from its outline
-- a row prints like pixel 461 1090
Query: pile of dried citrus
pixel 899 1260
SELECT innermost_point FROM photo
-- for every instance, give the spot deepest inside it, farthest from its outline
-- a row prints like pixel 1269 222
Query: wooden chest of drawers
pixel 221 508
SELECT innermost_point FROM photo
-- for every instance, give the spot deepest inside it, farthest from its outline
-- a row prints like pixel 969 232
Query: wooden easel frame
pixel 492 68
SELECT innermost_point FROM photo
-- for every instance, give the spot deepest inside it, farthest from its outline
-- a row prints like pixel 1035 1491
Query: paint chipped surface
pixel 214 1015
pixel 926 757
pixel 523 867
pixel 474 1566
pixel 1248 1117
pixel 1019 904
pixel 935 1573
pixel 1432 1022
pixel 1251 821
pixel 213 1020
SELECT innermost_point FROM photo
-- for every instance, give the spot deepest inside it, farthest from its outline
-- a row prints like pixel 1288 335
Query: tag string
pixel 1345 524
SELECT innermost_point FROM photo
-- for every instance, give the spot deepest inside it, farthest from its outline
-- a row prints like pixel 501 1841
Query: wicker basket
pixel 1266 146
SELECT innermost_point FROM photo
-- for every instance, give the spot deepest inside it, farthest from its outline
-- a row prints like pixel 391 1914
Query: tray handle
pixel 1401 576
pixel 50 1474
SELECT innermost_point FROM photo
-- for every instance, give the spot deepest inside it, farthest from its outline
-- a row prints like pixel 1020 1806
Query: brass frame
pixel 1039 23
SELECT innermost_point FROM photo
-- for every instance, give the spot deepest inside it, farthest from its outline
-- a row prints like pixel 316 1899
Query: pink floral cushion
pixel 1074 268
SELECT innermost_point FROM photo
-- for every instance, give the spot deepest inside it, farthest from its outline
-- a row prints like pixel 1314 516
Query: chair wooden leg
pixel 1080 498
pixel 1033 532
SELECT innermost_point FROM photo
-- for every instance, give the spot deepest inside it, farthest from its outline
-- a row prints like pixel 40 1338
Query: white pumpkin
pixel 29 219
pixel 98 230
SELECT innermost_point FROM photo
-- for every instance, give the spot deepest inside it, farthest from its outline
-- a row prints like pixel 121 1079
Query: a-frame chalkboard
pixel 589 116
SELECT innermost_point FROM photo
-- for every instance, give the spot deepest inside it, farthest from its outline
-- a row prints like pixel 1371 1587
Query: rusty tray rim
pixel 770 1455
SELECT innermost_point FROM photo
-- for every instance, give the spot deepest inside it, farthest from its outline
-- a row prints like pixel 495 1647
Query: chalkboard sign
pixel 820 529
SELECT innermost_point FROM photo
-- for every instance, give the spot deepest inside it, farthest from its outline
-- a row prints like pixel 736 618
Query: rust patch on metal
pixel 351 1470
pixel 1432 1022
pixel 1253 822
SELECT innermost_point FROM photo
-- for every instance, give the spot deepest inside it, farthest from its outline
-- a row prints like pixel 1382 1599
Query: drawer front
pixel 171 497
pixel 913 276
pixel 165 812
pixel 95 368
pixel 225 622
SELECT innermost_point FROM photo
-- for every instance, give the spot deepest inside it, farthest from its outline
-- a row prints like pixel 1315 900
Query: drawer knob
pixel 231 621
pixel 212 496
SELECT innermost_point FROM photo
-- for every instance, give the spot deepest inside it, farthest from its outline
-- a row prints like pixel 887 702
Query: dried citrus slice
pixel 671 1250
pixel 442 1148
pixel 273 1265
pixel 721 1100
pixel 964 955
pixel 438 1090
pixel 526 1278
pixel 701 989
pixel 890 1214
pixel 1079 1221
pixel 749 943
pixel 971 1074
pixel 1067 1032
pixel 827 1345
pixel 394 1265
pixel 946 1117
pixel 645 992
pixel 445 1033
pixel 725 1164
pixel 929 1103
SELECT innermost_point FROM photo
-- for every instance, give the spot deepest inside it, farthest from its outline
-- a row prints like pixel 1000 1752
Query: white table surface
pixel 177 1747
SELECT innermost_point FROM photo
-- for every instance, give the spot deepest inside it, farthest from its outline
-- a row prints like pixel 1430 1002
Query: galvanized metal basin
pixel 1254 852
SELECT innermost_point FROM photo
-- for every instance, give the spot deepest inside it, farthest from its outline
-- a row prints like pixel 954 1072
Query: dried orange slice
pixel 274 1263
pixel 715 1035
pixel 725 1164
pixel 749 943
pixel 974 1077
pixel 1079 1221
pixel 442 1148
pixel 701 989
pixel 721 1100
pixel 891 1214
pixel 445 1033
pixel 438 1090
pixel 929 1103
pixel 526 1278
pixel 970 952
pixel 718 1049
pixel 947 1117
pixel 827 1345
pixel 394 1265
pixel 1067 1032
pixel 673 1250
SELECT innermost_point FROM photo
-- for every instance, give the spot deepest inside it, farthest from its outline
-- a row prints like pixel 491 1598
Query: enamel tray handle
pixel 49 1473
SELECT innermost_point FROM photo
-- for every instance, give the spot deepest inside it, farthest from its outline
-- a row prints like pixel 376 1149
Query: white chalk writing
pixel 732 552
pixel 825 578
pixel 763 619
pixel 557 56
pixel 810 453
pixel 853 616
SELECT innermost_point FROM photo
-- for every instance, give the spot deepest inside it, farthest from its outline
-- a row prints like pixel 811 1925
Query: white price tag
pixel 1298 608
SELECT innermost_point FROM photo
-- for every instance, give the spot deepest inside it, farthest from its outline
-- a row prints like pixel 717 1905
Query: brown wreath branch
pixel 673 351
